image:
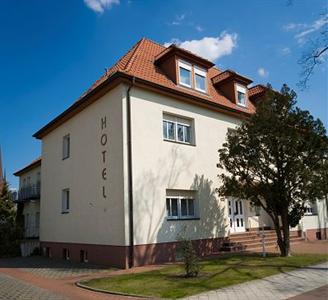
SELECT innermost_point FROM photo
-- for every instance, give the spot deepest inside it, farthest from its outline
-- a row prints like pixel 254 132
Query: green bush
pixel 189 256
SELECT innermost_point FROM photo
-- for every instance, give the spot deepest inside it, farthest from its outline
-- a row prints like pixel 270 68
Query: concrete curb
pixel 83 286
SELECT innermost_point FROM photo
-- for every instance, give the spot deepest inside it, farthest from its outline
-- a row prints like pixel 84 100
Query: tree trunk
pixel 284 250
pixel 282 236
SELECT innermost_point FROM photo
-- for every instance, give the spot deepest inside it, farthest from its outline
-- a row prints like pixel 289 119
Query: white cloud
pixel 285 51
pixel 263 72
pixel 100 5
pixel 211 48
pixel 178 19
pixel 294 26
pixel 199 28
pixel 303 30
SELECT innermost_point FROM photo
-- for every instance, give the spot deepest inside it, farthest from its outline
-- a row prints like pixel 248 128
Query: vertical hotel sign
pixel 103 143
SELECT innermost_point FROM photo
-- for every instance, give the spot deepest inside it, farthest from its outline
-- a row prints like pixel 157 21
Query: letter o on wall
pixel 103 139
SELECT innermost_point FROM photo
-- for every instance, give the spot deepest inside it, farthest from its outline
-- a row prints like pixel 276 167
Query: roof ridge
pixel 158 44
pixel 134 49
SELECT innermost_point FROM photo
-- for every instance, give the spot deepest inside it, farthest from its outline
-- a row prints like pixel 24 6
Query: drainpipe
pixel 130 185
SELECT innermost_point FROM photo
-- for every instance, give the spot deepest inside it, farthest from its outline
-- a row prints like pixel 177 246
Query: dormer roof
pixel 228 75
pixel 257 91
pixel 184 54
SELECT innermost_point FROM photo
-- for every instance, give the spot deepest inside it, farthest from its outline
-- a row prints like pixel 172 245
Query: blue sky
pixel 52 51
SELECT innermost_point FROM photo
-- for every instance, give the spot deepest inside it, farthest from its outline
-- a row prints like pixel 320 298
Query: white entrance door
pixel 236 215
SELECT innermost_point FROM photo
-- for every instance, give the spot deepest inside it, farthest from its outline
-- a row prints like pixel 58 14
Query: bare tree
pixel 313 56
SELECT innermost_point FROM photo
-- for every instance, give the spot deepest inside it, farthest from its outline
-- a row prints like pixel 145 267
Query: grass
pixel 215 273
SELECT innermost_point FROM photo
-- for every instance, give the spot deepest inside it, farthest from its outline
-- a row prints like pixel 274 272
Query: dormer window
pixel 200 79
pixel 241 95
pixel 192 76
pixel 185 74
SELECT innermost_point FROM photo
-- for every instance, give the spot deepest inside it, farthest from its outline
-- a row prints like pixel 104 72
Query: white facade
pixel 91 218
pixel 159 166
pixel 94 213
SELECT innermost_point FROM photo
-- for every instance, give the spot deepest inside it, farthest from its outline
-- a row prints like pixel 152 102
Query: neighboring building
pixel 132 163
pixel 28 197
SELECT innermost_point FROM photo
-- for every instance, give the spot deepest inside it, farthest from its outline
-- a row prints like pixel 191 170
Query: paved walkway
pixel 276 287
pixel 12 288
pixel 39 278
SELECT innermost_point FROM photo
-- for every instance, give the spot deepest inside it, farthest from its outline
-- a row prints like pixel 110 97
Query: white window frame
pixel 202 73
pixel 178 121
pixel 184 125
pixel 66 146
pixel 169 216
pixel 65 201
pixel 180 216
pixel 188 67
pixel 241 89
pixel 167 130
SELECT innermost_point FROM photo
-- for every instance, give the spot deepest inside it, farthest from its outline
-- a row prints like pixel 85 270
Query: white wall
pixel 31 209
pixel 318 220
pixel 92 218
pixel 159 165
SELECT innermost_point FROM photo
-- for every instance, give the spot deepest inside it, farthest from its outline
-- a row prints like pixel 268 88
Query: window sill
pixel 242 105
pixel 65 212
pixel 182 219
pixel 189 88
pixel 64 158
pixel 178 142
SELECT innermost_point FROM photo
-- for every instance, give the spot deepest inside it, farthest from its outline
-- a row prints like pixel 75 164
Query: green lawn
pixel 219 272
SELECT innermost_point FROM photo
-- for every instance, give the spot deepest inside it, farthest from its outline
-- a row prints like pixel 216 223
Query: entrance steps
pixel 252 240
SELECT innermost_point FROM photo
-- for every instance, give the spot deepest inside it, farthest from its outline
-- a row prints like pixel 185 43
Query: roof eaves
pixel 30 166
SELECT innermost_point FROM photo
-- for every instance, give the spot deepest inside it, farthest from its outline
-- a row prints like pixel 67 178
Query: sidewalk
pixel 280 286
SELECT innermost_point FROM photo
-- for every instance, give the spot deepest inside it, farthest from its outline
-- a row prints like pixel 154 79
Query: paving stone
pixel 276 287
pixel 48 268
pixel 14 289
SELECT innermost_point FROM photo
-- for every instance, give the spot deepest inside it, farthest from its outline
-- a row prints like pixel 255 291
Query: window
pixel 180 204
pixel 241 95
pixel 66 146
pixel 172 207
pixel 184 74
pixel 177 129
pixel 200 79
pixel 310 209
pixel 65 201
pixel 192 76
pixel 83 256
pixel 168 130
pixel 66 254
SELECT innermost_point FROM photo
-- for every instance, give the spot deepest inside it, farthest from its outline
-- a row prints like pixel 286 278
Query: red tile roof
pixel 256 91
pixel 230 74
pixel 139 62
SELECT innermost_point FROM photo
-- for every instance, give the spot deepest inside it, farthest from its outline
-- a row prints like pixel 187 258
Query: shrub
pixel 189 256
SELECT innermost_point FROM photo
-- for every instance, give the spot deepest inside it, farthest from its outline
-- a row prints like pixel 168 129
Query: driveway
pixel 42 278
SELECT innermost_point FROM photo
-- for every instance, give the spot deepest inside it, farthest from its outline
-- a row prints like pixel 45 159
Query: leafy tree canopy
pixel 277 159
